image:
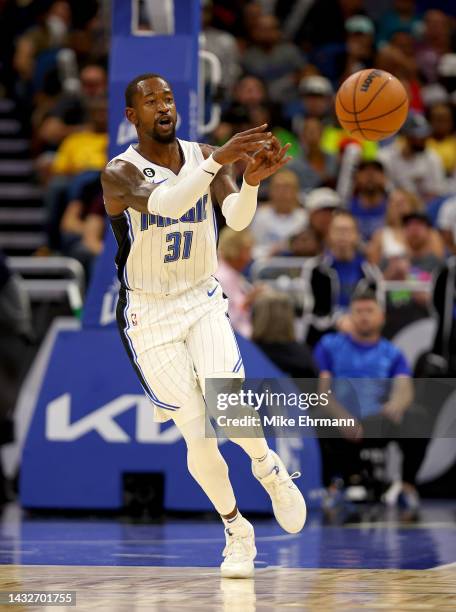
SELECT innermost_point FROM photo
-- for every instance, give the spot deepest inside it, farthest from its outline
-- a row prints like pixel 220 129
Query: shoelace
pixel 235 548
pixel 283 493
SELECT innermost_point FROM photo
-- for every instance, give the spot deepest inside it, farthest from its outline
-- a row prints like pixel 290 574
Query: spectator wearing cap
pixel 320 205
pixel 446 222
pixel 359 45
pixel 338 61
pixel 282 216
pixel 368 204
pixel 315 100
pixel 413 166
pixel 426 254
pixel 443 138
pixel 314 166
pixel 401 18
pixel 280 64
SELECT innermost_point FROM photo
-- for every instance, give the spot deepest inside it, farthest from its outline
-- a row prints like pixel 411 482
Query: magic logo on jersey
pixel 195 215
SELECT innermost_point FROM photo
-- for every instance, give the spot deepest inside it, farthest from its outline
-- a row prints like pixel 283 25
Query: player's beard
pixel 164 138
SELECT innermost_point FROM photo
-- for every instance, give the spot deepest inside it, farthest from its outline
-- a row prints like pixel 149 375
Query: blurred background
pixel 344 214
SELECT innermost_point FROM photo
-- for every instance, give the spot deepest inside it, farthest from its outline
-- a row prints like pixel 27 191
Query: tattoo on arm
pixel 124 186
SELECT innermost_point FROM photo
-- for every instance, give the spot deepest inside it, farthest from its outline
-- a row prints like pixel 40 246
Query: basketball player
pixel 172 313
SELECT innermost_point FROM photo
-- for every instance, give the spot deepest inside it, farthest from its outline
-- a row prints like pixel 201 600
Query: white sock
pixel 264 465
pixel 236 523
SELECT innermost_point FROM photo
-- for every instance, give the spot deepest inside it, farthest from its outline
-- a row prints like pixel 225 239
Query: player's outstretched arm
pixel 172 200
pixel 124 186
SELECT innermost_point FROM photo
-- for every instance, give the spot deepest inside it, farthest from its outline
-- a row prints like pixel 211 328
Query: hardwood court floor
pixel 372 563
pixel 130 589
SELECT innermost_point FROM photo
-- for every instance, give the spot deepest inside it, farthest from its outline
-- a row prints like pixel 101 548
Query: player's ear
pixel 130 114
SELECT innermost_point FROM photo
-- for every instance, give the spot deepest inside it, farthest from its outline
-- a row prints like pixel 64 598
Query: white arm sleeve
pixel 239 208
pixel 174 200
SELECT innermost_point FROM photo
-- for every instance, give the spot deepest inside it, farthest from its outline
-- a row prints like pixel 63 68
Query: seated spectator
pixel 235 253
pixel 343 255
pixel 411 165
pixel 368 204
pixel 399 58
pixel 273 322
pixel 390 238
pixel 222 44
pixel 83 226
pixel 314 167
pixel 359 45
pixel 402 17
pixel 436 41
pixel 446 222
pixel 339 60
pixel 315 100
pixel 443 138
pixel 318 29
pixel 336 276
pixel 85 149
pixel 424 246
pixel 380 404
pixel 402 305
pixel 320 205
pixel 303 244
pixel 36 50
pixel 78 157
pixel 68 113
pixel 282 216
pixel 279 63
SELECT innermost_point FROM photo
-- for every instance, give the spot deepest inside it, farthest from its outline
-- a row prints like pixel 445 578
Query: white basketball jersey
pixel 161 255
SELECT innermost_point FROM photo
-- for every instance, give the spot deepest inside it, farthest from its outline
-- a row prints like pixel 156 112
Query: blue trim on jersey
pixel 214 218
pixel 131 238
pixel 149 392
pixel 238 364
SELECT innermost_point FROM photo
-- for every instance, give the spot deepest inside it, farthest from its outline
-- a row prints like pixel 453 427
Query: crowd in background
pixel 360 212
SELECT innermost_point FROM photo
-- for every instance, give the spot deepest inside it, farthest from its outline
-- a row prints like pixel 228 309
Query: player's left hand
pixel 270 158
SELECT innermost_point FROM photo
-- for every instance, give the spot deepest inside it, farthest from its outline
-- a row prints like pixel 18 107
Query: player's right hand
pixel 241 144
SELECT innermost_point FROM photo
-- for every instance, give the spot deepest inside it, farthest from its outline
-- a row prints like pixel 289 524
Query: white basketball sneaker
pixel 239 552
pixel 287 500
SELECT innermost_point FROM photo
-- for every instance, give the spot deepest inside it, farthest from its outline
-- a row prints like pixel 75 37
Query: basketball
pixel 372 104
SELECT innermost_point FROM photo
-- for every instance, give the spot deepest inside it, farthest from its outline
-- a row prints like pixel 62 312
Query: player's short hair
pixel 132 86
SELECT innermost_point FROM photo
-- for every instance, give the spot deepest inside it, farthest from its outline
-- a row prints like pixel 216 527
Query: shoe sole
pixel 232 573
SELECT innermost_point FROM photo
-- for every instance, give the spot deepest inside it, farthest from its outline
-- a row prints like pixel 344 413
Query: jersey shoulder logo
pixel 149 172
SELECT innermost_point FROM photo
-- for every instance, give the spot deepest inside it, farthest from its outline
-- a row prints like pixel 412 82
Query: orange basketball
pixel 372 104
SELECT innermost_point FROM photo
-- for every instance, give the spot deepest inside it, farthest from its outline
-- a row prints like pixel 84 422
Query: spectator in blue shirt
pixel 343 255
pixel 368 204
pixel 370 381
